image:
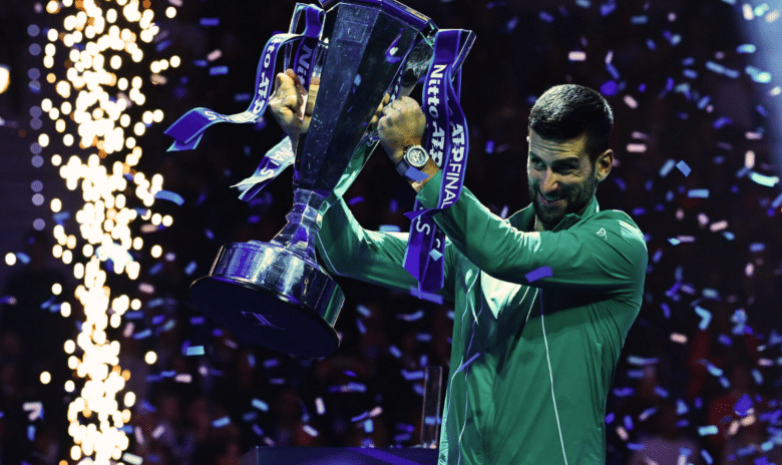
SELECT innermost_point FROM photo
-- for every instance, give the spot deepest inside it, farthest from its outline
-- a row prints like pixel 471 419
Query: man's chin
pixel 548 217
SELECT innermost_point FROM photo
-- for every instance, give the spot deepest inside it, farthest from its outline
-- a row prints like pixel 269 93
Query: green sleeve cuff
pixel 430 194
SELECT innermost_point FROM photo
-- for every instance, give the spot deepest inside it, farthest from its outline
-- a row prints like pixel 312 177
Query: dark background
pixel 659 400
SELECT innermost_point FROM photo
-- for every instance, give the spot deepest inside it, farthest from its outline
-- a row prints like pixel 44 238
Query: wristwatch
pixel 414 156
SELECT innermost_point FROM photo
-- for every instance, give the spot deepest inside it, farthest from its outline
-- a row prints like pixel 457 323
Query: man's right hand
pixel 292 105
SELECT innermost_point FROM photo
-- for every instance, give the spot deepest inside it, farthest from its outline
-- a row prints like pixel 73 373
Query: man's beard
pixel 575 200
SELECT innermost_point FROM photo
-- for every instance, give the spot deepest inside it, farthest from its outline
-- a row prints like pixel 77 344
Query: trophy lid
pixel 394 8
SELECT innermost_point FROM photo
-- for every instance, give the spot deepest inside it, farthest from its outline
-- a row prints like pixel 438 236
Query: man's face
pixel 561 178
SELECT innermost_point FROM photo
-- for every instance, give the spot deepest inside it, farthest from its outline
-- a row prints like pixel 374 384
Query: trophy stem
pixel 297 235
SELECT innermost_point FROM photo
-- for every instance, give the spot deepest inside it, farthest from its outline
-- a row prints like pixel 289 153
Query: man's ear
pixel 605 161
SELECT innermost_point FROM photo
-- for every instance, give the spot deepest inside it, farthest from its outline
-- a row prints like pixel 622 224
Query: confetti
pixel 195 350
pixel 684 168
pixel 220 422
pixel 540 273
pixel 260 405
pixel 743 406
pixel 218 70
pixel 577 56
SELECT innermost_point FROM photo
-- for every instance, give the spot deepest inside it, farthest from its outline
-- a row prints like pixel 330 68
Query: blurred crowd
pixel 685 391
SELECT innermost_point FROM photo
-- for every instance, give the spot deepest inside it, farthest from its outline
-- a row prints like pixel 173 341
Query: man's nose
pixel 550 182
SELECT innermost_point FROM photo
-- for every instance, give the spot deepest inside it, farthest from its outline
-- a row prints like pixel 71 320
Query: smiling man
pixel 533 355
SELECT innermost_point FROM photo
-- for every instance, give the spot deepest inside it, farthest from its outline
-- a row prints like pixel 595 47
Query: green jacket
pixel 541 357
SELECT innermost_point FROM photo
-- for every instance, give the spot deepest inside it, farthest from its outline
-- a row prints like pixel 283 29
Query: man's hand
pixel 292 105
pixel 403 123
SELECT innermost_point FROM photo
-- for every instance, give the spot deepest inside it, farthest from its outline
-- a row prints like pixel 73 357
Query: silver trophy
pixel 276 294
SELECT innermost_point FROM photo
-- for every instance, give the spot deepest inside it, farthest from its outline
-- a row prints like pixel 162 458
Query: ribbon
pixel 189 129
pixel 447 142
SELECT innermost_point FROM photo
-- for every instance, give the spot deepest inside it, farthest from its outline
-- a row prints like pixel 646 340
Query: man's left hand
pixel 402 123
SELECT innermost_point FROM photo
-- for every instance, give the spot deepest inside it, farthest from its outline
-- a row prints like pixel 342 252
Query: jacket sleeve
pixel 347 249
pixel 606 251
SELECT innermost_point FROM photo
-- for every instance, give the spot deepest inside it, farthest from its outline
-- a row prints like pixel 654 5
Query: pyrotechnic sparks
pixel 94 120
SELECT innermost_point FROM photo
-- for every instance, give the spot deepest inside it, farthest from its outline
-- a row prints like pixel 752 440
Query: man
pixel 531 363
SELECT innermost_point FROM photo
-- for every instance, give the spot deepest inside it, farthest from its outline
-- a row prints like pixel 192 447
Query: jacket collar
pixel 524 219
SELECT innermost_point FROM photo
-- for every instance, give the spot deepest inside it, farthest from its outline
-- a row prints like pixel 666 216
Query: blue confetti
pixel 355 200
pixel 546 17
pixel 220 422
pixel 706 457
pixel 540 273
pixel 746 48
pixel 719 69
pixel 763 77
pixel 609 88
pixel 170 196
pixel 260 405
pixel 218 70
pixel 705 317
pixel 743 406
pixel 191 267
pixel 395 351
pixel 607 8
pixel 681 407
pixel 707 430
pixel 411 316
pixel 635 446
pixel 364 311
pixel 684 168
pixel 206 22
pixel 195 350
pixel 23 257
pixel 413 375
pixel 763 180
pixel 698 193
pixel 640 19
pixel 623 392
pixel 143 334
pixel 609 418
pixel 661 392
pixel 389 228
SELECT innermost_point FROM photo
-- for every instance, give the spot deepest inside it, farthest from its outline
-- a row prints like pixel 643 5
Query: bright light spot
pixel 56 288
pixel 168 220
pixel 69 346
pixel 51 35
pixel 45 377
pixel 65 309
pixel 135 304
pixel 46 104
pixel 5 78
pixel 175 61
pixel 70 386
pixel 156 251
pixel 10 259
pixel 170 12
pixel 116 62
pixel 150 358
pixel 130 399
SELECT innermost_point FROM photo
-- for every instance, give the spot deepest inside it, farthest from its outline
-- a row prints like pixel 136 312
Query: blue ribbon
pixel 448 145
pixel 189 129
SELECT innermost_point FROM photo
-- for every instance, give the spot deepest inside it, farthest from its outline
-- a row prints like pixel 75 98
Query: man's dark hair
pixel 567 111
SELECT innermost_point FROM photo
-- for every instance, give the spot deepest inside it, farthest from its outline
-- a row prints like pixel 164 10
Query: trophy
pixel 276 294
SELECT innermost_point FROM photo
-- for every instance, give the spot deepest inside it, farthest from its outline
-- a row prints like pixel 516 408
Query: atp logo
pixel 602 233
pixel 260 320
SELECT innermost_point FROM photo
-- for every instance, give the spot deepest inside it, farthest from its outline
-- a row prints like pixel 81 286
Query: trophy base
pixel 270 296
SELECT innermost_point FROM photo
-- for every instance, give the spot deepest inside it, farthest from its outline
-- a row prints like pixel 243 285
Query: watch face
pixel 416 156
